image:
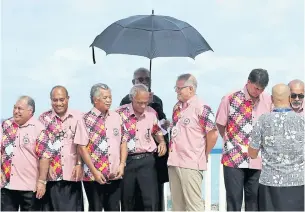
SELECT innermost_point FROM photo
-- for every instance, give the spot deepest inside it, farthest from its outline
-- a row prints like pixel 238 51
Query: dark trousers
pixel 142 172
pixel 11 200
pixel 138 198
pixel 281 198
pixel 105 196
pixel 239 180
pixel 63 196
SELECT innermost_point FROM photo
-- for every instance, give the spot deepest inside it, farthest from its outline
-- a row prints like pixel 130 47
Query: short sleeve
pixel 256 135
pixel 223 112
pixel 207 119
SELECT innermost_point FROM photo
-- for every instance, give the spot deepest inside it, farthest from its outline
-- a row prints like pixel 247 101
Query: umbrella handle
pixel 149 88
pixel 93 55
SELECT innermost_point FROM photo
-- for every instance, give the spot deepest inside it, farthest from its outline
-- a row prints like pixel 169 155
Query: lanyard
pixel 282 109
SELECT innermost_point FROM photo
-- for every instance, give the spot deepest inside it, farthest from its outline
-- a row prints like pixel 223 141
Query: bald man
pixel 64 128
pixel 279 136
pixel 297 95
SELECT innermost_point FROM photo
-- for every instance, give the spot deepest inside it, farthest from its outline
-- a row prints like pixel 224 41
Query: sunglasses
pixel 142 79
pixel 294 96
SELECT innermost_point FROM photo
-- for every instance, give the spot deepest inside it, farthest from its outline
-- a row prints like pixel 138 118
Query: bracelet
pixel 78 163
pixel 43 182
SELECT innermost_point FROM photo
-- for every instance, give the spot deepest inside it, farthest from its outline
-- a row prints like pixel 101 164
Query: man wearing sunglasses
pixel 104 154
pixel 297 95
pixel 235 117
pixel 63 128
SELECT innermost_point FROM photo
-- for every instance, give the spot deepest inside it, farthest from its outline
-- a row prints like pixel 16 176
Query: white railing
pixel 207 190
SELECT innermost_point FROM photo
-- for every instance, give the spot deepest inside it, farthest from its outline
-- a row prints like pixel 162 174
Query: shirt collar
pixel 68 113
pixel 31 121
pixel 248 97
pixel 131 110
pixel 98 113
pixel 188 102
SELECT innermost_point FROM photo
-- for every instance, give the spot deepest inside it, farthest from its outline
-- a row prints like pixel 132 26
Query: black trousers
pixel 138 198
pixel 142 172
pixel 281 198
pixel 105 196
pixel 239 180
pixel 63 196
pixel 11 200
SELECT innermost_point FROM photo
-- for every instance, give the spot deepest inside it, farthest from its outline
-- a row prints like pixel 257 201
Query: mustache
pixel 297 102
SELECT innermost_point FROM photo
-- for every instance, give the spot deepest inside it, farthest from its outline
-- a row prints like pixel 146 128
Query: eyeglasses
pixel 180 88
pixel 294 96
pixel 142 79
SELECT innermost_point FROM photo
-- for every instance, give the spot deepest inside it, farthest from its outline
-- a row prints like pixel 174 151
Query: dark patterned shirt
pixel 280 137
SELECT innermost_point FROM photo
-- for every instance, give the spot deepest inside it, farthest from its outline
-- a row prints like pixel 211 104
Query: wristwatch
pixel 43 182
pixel 78 163
pixel 123 164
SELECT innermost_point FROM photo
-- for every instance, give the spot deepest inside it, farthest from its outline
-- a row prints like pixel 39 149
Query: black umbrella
pixel 151 36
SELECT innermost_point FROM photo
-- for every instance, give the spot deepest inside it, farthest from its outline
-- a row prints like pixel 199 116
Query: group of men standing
pixel 123 157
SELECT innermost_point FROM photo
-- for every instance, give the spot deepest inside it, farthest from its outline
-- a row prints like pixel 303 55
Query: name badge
pixel 174 131
pixel 26 140
pixel 115 131
pixel 186 121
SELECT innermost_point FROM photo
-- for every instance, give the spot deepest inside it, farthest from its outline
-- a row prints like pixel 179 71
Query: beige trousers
pixel 185 186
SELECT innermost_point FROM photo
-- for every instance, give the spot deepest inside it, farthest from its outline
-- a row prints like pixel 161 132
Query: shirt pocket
pixel 28 142
pixel 188 123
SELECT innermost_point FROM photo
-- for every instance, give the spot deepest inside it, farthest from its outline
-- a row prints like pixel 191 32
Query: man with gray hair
pixel 142 76
pixel 279 136
pixel 23 176
pixel 297 95
pixel 104 154
pixel 235 117
pixel 194 134
pixel 141 126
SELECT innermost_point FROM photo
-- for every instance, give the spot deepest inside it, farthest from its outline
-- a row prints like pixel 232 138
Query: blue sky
pixel 45 43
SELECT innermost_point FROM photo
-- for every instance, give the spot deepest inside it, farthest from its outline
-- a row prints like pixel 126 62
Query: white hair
pixel 96 91
pixel 189 80
pixel 135 89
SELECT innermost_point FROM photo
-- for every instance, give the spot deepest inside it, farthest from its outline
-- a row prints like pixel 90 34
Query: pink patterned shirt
pixel 237 113
pixel 19 162
pixel 58 141
pixel 104 144
pixel 139 131
pixel 189 129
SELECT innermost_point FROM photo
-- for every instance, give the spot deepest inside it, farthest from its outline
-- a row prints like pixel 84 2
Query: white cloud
pixel 55 50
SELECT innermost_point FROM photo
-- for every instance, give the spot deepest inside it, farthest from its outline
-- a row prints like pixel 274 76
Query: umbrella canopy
pixel 151 36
